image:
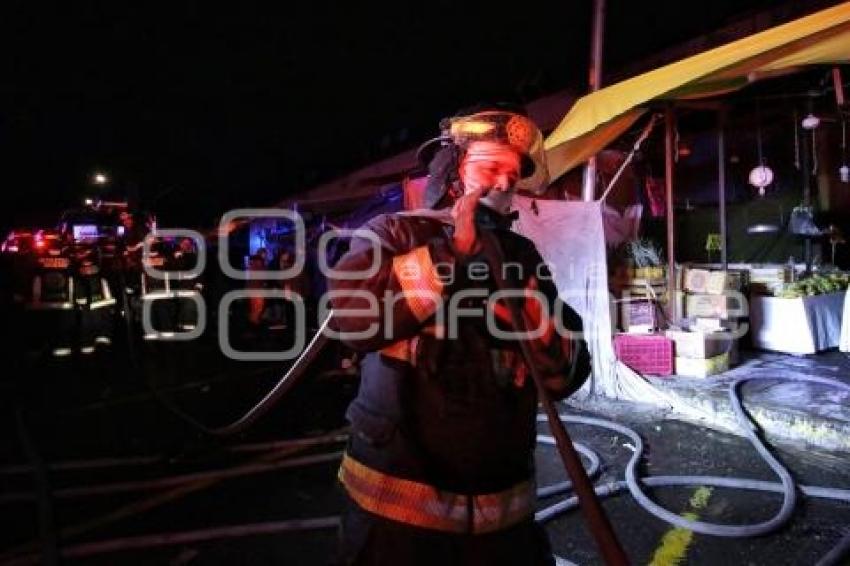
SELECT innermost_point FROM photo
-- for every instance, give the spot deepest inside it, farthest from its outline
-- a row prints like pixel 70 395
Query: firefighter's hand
pixel 463 212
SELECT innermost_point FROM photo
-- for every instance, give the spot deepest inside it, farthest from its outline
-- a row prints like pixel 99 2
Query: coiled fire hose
pixel 634 484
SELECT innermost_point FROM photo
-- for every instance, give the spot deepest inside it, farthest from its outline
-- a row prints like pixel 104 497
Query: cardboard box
pixel 700 324
pixel 707 325
pixel 645 288
pixel 695 367
pixel 771 274
pixel 638 313
pixel 722 281
pixel 764 280
pixel 715 306
pixel 699 344
pixel 712 282
pixel 654 272
pixel 696 280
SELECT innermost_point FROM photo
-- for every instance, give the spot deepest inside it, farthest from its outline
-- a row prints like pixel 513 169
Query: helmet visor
pixel 510 129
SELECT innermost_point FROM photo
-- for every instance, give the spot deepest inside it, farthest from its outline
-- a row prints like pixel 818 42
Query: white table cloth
pixel 844 341
pixel 797 326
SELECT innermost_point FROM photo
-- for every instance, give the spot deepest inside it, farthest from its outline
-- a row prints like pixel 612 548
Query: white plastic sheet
pixel 570 236
pixel 620 228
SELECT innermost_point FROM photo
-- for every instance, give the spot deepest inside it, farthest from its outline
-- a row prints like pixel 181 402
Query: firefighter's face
pixel 489 165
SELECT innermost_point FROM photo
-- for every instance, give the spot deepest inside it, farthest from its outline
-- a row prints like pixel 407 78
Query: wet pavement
pixel 786 406
pixel 157 474
pixel 676 448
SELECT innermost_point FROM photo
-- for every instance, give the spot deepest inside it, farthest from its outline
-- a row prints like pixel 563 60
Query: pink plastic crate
pixel 646 353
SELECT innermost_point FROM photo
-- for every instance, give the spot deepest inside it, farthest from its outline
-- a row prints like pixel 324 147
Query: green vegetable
pixel 814 285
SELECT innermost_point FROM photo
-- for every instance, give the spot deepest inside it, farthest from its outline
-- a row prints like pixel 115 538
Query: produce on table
pixel 814 285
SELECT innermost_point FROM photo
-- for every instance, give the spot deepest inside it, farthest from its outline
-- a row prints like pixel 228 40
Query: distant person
pixel 185 258
pixel 256 304
pixel 283 313
pixel 134 231
pixel 92 298
pixel 263 254
pixel 132 242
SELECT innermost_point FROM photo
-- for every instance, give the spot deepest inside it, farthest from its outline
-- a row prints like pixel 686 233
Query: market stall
pixel 700 316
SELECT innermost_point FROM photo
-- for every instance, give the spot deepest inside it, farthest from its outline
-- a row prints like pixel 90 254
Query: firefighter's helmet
pixel 510 127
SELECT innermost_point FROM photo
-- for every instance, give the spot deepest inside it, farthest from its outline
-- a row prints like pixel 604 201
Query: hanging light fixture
pixel 761 176
pixel 810 122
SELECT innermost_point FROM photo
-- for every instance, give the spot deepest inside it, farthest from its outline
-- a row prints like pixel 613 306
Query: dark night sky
pixel 211 108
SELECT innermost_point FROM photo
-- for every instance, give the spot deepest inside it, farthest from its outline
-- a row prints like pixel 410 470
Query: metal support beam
pixel 588 187
pixel 588 183
pixel 806 166
pixel 721 185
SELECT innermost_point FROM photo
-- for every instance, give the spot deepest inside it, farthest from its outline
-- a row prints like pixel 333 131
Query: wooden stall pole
pixel 806 164
pixel 669 133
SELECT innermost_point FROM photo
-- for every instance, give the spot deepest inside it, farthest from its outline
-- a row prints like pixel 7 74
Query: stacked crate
pixel 714 297
pixel 639 293
pixel 650 354
pixel 700 354
pixel 641 346
pixel 764 280
pixel 713 306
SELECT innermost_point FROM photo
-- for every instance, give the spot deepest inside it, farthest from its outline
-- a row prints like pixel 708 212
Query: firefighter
pixel 439 466
pixel 111 262
pixel 92 298
pixel 50 299
pixel 282 311
pixel 256 303
pixel 131 248
pixel 156 291
pixel 185 258
pixel 138 288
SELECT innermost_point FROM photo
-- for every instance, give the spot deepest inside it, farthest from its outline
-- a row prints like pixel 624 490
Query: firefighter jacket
pixel 443 400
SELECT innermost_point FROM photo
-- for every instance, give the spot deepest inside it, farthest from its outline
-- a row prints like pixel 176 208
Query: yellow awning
pixel 598 118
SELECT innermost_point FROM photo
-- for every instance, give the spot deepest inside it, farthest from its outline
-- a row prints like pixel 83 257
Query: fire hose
pixel 609 547
pixel 586 494
pixel 283 385
pixel 633 483
pixel 603 533
pixel 286 382
pixel 598 522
